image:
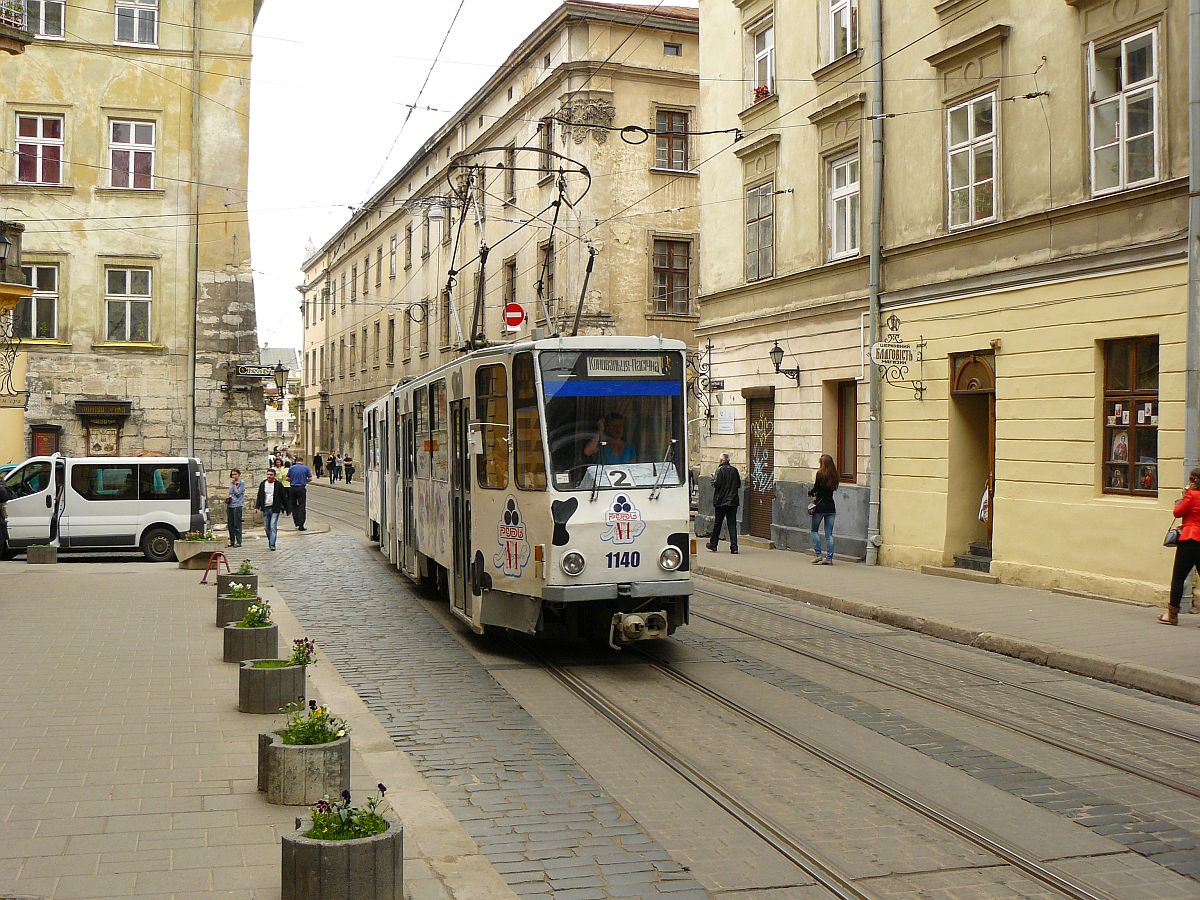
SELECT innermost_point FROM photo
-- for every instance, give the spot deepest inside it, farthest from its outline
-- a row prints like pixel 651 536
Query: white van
pixel 105 503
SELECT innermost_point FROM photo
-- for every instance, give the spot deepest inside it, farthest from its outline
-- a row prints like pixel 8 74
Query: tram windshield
pixel 614 419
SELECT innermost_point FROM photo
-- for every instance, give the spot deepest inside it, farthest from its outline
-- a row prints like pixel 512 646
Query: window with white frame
pixel 36 317
pixel 343 290
pixel 760 231
pixel 546 143
pixel 131 154
pixel 39 149
pixel 353 283
pixel 971 161
pixel 392 253
pixel 137 21
pixel 379 266
pixel 425 232
pixel 332 300
pixel 843 28
pixel 1124 79
pixel 671 140
pixel 843 206
pixel 510 174
pixel 762 42
pixel 127 304
pixel 45 17
pixel 366 275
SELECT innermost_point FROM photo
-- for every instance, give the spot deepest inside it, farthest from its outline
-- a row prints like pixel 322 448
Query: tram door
pixel 383 432
pixel 460 502
pixel 408 561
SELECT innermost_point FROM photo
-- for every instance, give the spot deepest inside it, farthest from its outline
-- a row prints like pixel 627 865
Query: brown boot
pixel 1170 617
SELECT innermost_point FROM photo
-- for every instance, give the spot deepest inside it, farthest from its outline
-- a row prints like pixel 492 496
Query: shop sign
pixel 255 372
pixel 103 408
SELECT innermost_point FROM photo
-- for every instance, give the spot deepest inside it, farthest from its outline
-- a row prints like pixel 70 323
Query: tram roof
pixel 581 342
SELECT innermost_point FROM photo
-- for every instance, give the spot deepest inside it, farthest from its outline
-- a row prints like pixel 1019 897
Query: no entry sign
pixel 514 316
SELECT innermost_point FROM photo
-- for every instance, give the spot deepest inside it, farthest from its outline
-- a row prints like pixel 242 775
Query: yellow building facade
pixel 1033 272
pixel 125 134
pixel 375 303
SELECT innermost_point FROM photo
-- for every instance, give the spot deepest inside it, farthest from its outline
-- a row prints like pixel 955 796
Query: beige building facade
pixel 125 132
pixel 374 299
pixel 1034 270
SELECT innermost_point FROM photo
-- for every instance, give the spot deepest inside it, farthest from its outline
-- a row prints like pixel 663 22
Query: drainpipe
pixel 875 275
pixel 195 248
pixel 1191 440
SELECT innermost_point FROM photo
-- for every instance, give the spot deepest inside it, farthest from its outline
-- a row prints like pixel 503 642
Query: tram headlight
pixel 670 559
pixel 573 563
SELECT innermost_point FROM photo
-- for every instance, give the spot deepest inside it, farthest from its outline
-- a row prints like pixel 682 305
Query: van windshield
pixel 28 480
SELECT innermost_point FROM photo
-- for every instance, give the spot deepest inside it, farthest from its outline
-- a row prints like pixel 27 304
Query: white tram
pixel 541 486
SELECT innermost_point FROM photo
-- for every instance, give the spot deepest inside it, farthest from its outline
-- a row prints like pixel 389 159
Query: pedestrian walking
pixel 822 508
pixel 272 503
pixel 337 467
pixel 727 490
pixel 299 475
pixel 318 465
pixel 235 504
pixel 348 466
pixel 1187 551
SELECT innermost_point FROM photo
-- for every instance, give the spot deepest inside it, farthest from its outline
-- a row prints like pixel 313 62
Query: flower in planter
pixel 311 724
pixel 241 592
pixel 245 568
pixel 194 536
pixel 337 820
pixel 257 616
pixel 304 653
pixel 762 92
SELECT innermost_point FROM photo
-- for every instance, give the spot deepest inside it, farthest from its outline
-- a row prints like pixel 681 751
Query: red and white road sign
pixel 514 316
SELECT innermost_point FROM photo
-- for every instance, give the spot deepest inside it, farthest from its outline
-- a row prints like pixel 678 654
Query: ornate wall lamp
pixel 776 355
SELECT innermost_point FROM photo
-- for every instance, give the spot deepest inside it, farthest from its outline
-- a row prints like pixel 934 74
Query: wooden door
pixel 760 414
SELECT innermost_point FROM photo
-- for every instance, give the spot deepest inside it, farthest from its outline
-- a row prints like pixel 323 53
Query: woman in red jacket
pixel 1187 551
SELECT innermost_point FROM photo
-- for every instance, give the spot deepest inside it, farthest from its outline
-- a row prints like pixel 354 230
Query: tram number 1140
pixel 626 560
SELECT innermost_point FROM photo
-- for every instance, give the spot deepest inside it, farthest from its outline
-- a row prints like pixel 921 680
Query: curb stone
pixel 1113 671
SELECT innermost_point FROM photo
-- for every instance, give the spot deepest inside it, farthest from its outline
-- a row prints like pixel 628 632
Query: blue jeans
pixel 271 523
pixel 816 533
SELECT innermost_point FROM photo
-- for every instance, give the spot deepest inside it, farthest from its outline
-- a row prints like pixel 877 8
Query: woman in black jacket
pixel 823 509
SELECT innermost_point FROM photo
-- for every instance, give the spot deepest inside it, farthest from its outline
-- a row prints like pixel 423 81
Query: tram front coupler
pixel 628 628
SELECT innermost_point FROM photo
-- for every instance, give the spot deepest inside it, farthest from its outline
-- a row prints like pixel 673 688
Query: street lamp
pixel 5 247
pixel 776 354
pixel 281 379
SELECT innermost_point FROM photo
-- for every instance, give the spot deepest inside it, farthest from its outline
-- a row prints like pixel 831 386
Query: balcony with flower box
pixel 15 35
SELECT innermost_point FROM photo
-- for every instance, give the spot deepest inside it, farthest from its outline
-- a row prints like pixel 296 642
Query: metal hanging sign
pixel 894 357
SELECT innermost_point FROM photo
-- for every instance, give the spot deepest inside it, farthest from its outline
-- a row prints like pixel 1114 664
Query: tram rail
pixel 948 703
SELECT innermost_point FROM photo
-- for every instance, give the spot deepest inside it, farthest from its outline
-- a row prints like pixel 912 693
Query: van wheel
pixel 158 544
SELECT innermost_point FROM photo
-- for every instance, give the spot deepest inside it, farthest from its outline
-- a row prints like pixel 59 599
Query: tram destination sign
pixel 624 366
pixel 893 353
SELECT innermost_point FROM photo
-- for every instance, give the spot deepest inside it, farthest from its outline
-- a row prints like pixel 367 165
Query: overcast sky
pixel 329 87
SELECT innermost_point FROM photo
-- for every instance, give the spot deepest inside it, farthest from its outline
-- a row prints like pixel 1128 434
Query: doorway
pixel 971 473
pixel 460 501
pixel 760 416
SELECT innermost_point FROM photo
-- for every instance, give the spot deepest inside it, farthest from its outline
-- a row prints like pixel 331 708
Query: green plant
pixel 245 568
pixel 257 616
pixel 337 820
pixel 241 592
pixel 192 536
pixel 304 652
pixel 311 724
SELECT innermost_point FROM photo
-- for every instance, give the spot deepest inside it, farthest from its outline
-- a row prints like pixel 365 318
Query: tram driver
pixel 610 430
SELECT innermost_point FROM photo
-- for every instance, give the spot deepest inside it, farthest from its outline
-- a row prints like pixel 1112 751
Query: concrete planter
pixel 41 556
pixel 267 691
pixel 251 643
pixel 195 554
pixel 366 869
pixel 231 610
pixel 224 581
pixel 302 774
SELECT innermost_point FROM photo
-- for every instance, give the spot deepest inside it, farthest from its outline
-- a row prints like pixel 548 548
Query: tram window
pixel 614 417
pixel 421 396
pixel 396 436
pixel 529 456
pixel 491 412
pixel 439 444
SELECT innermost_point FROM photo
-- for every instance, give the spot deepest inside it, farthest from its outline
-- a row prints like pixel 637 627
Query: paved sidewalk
pixel 126 767
pixel 1114 642
pixel 355 487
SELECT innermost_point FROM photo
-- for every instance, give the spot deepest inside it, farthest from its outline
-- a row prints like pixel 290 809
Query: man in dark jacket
pixel 272 502
pixel 727 489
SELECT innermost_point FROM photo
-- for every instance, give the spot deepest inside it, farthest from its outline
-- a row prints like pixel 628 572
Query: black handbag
pixel 1172 537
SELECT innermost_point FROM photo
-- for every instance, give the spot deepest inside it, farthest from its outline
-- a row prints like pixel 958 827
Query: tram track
pixel 791 847
pixel 955 705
